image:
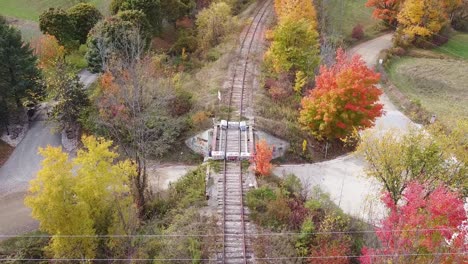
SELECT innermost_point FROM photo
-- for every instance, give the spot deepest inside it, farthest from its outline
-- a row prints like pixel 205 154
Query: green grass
pixel 457 46
pixel 31 9
pixel 342 16
pixel 438 85
pixel 24 14
pixel 77 58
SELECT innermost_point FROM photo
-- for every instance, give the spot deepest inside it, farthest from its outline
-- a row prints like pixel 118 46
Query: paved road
pixel 343 178
pixel 87 78
pixel 21 167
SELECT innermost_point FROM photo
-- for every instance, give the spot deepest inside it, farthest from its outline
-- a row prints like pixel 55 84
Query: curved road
pixel 22 166
pixel 343 177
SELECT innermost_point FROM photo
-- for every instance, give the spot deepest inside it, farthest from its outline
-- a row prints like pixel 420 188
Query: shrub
pixel 200 118
pixel 186 41
pixel 180 104
pixel 262 158
pixel 358 32
pixel 213 24
pixel 397 51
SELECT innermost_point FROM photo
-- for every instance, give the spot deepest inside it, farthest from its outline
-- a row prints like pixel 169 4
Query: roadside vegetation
pixel 175 211
pixel 300 217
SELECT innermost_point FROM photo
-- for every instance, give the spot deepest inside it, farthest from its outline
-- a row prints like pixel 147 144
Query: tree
pixel 386 10
pixel 295 47
pixel 177 9
pixel 48 50
pixel 112 37
pixel 138 19
pixel 83 17
pixel 55 205
pixel 262 158
pixel 84 196
pixel 57 23
pixel 423 228
pixel 18 66
pixel 213 24
pixel 71 28
pixel 296 10
pixel 345 98
pixel 421 18
pixel 67 90
pixel 134 107
pixel 450 6
pixel 460 17
pixel 397 158
pixel 151 8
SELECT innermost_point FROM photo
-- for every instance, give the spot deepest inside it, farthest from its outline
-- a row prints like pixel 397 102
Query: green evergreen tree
pixel 18 67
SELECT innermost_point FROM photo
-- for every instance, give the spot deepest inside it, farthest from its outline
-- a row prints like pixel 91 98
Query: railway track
pixel 236 246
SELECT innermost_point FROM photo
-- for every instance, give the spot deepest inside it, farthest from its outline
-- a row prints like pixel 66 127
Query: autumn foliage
pixel 345 97
pixel 262 158
pixel 294 47
pixel 424 228
pixel 386 10
pixel 296 9
pixel 422 18
pixel 48 51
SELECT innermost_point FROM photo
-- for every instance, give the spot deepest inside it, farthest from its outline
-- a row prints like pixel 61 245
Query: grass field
pixel 31 9
pixel 440 86
pixel 457 46
pixel 343 15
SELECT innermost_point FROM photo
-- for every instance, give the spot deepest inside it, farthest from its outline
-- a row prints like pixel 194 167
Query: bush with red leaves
pixel 358 32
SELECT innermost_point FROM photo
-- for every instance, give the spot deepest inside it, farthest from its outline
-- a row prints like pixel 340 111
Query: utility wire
pixel 251 234
pixel 266 258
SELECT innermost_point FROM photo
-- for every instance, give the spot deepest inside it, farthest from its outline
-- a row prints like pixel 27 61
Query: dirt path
pixel 343 177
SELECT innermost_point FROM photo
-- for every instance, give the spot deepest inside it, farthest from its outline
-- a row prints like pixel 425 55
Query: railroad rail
pixel 233 142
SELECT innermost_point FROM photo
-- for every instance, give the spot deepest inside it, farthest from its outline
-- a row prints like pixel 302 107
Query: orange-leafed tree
pixel 48 51
pixel 345 98
pixel 386 10
pixel 262 158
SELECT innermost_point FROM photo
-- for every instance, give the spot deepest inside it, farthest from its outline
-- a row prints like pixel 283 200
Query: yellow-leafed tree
pixel 54 203
pixel 89 195
pixel 296 9
pixel 295 47
pixel 421 18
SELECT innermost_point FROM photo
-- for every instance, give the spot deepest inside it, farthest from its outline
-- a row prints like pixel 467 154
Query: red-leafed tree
pixel 386 10
pixel 427 227
pixel 262 158
pixel 345 97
